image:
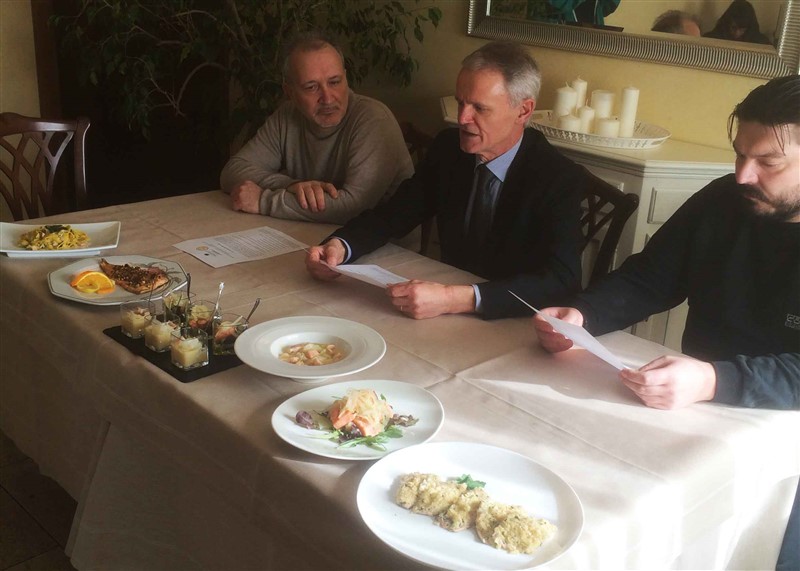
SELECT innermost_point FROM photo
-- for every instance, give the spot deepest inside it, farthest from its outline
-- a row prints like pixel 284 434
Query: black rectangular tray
pixel 216 363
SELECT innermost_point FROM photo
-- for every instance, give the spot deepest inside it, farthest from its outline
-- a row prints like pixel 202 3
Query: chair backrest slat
pixel 418 144
pixel 39 151
pixel 598 197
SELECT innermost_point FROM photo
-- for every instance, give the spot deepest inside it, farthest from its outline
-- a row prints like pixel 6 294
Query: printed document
pixel 246 246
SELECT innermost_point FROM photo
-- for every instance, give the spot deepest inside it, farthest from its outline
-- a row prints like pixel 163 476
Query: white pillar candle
pixel 627 111
pixel 602 103
pixel 580 85
pixel 569 123
pixel 607 127
pixel 586 118
pixel 565 101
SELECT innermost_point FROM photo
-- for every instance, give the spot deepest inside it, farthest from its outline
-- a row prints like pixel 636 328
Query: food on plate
pixel 510 528
pixel 53 237
pixel 458 504
pixel 461 514
pixel 360 417
pixel 158 334
pixel 133 321
pixel 311 354
pixel 92 281
pixel 428 494
pixel 135 279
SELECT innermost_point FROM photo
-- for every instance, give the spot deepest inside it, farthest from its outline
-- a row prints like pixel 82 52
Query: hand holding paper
pixel 579 336
pixel 369 273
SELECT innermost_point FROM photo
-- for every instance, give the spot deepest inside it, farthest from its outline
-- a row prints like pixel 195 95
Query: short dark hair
pixel 307 41
pixel 518 68
pixel 775 104
pixel 671 22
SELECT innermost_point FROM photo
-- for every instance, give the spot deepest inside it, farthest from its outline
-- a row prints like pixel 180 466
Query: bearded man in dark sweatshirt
pixel 732 250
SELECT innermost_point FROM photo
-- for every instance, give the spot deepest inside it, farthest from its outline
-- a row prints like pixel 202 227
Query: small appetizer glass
pixel 227 328
pixel 158 331
pixel 189 348
pixel 200 315
pixel 175 304
pixel 133 316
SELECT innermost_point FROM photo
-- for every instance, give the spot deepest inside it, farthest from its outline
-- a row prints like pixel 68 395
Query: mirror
pixel 738 58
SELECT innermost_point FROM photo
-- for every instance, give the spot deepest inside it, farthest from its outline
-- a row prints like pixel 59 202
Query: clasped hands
pixel 415 298
pixel 668 382
pixel 310 195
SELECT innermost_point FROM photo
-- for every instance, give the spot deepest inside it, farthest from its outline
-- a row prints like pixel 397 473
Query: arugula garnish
pixel 376 441
pixel 471 484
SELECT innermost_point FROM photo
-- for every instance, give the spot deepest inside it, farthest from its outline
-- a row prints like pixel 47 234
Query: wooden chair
pixel 605 207
pixel 418 144
pixel 32 150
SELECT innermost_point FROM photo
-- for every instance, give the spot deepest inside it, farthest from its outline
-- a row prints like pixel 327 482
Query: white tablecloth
pixel 171 475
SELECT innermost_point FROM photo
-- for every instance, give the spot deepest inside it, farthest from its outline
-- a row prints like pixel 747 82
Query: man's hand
pixel 422 300
pixel 672 382
pixel 331 253
pixel 246 197
pixel 310 194
pixel 550 339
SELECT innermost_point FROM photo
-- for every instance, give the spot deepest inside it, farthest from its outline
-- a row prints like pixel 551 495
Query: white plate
pixel 260 346
pixel 59 279
pixel 510 478
pixel 102 236
pixel 404 398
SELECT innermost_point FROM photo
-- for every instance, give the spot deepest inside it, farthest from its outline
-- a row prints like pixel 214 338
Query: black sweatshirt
pixel 741 275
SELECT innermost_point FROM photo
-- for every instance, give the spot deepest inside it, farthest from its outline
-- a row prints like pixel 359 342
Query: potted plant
pixel 149 55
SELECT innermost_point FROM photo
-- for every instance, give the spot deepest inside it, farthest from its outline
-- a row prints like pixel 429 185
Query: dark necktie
pixel 482 205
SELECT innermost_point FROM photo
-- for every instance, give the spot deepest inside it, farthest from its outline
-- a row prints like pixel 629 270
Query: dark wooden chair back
pixel 33 149
pixel 605 207
pixel 418 144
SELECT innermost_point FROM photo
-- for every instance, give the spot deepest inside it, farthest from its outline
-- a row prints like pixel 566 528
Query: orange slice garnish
pixel 92 281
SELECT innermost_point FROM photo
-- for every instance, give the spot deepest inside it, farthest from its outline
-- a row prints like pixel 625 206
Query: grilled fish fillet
pixel 135 279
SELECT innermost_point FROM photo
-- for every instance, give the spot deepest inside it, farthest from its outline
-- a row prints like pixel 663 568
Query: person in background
pixel 739 23
pixel 324 155
pixel 677 22
pixel 506 202
pixel 732 250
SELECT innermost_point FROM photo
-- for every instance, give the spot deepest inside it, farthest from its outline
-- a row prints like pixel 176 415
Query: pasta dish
pixel 53 237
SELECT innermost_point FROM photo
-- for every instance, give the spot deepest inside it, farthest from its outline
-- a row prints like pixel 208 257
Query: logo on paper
pixel 792 321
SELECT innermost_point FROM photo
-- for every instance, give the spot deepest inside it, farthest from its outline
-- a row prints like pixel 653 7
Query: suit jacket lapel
pixel 462 172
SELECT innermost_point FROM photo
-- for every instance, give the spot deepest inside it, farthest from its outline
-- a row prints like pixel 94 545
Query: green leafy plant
pixel 149 54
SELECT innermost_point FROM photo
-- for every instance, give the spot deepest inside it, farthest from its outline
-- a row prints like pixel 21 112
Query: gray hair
pixel 518 68
pixel 308 41
pixel 672 21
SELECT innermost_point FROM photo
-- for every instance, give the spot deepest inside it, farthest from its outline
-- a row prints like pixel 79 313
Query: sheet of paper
pixel 579 336
pixel 227 249
pixel 584 339
pixel 369 273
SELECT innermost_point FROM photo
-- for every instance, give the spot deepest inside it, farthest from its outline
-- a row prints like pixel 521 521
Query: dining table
pixel 192 475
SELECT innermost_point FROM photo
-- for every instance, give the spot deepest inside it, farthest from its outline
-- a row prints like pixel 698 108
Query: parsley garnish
pixel 471 484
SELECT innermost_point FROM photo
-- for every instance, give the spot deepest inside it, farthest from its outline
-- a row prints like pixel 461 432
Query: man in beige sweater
pixel 324 155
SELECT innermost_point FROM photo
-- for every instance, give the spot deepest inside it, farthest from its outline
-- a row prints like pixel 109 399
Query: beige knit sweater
pixel 364 156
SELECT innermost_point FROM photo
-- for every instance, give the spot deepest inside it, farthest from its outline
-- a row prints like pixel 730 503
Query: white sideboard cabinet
pixel 663 178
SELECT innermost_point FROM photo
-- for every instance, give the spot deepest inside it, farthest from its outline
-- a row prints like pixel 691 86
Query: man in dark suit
pixel 507 204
